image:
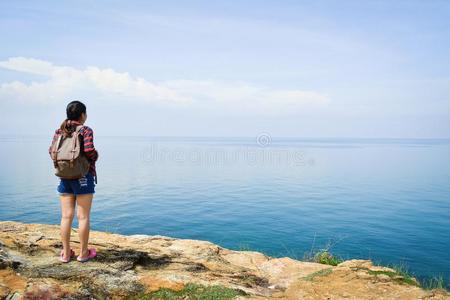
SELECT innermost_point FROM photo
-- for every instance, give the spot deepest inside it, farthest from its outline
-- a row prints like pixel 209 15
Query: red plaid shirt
pixel 88 142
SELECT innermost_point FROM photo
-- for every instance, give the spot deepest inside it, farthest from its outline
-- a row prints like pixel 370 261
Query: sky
pixel 313 69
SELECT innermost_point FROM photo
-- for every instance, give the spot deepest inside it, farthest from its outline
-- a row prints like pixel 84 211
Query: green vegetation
pixel 323 272
pixel 434 283
pixel 323 255
pixel 192 292
pixel 326 258
pixel 402 270
pixel 403 276
pixel 398 277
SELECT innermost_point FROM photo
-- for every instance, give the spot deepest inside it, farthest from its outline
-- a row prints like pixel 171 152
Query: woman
pixel 79 191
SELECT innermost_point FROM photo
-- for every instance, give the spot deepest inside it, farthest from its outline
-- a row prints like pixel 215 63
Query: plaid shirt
pixel 88 144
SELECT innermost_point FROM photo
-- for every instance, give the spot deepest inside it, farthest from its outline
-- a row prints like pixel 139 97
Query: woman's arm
pixel 89 149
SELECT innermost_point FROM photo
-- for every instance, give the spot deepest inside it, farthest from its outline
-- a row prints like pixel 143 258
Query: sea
pixel 387 200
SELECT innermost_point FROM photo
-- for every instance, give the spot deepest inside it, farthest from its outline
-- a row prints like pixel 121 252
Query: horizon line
pixel 250 137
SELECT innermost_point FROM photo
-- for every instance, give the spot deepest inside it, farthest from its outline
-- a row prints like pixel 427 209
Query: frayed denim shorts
pixel 83 185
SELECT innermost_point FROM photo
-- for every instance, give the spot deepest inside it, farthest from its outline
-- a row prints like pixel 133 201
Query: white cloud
pixel 62 83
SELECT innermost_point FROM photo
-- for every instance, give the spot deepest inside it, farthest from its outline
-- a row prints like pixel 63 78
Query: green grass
pixel 408 278
pixel 388 273
pixel 400 274
pixel 326 258
pixel 400 277
pixel 191 291
pixel 434 283
pixel 323 255
pixel 323 272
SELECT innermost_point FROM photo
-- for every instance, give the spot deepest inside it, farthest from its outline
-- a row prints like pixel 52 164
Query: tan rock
pixel 154 283
pixel 11 281
pixel 381 269
pixel 383 277
pixel 356 263
pixel 245 259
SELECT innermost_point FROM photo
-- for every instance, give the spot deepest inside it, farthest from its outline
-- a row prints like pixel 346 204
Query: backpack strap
pixel 55 150
pixel 78 128
pixel 74 143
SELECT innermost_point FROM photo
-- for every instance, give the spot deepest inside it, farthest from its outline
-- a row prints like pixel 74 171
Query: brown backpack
pixel 68 158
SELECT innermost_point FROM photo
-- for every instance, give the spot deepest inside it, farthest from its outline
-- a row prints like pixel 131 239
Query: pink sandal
pixel 61 256
pixel 92 254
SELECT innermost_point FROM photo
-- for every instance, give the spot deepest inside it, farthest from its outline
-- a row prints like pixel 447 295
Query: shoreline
pixel 145 266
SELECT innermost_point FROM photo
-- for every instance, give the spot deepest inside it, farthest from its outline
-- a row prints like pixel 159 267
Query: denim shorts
pixel 84 185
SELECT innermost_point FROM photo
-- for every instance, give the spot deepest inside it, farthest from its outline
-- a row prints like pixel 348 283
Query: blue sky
pixel 228 68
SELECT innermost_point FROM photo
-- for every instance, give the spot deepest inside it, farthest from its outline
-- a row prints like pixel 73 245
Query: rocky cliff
pixel 160 267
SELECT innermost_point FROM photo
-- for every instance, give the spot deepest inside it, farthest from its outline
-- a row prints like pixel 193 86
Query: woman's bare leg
pixel 67 213
pixel 84 203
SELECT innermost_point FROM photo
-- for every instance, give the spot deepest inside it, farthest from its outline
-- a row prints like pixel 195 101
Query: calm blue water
pixel 387 200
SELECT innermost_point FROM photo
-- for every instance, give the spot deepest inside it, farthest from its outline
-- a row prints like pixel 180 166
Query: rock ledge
pixel 128 267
